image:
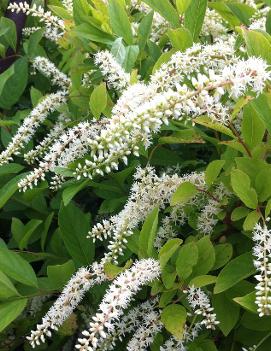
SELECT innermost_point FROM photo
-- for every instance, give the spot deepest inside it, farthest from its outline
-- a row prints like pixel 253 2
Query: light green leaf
pixel 10 310
pixel 223 253
pixel 166 10
pixel 173 317
pixel 7 289
pixel 202 280
pixel 187 259
pixel 148 233
pixel 213 170
pixel 120 21
pixel 182 5
pixel 98 100
pixel 183 194
pixel 241 186
pixel 60 274
pixel 168 250
pixel 247 302
pixel 194 17
pixel 206 257
pixel 180 38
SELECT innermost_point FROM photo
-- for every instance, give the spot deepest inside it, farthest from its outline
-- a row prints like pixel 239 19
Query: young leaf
pixel 98 100
pixel 213 170
pixel 183 194
pixel 241 186
pixel 182 5
pixel 194 17
pixel 236 270
pixel 168 250
pixel 173 317
pixel 247 302
pixel 120 21
pixel 148 233
pixel 187 259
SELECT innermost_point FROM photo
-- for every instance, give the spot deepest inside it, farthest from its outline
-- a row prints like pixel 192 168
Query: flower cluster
pixel 208 215
pixel 116 77
pixel 200 304
pixel 148 192
pixel 49 70
pixel 69 299
pixel 116 299
pixel 122 135
pixel 24 133
pixel 262 262
pixel 54 26
pixel 213 25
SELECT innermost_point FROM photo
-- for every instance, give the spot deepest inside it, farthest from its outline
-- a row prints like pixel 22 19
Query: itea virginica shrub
pixel 135 176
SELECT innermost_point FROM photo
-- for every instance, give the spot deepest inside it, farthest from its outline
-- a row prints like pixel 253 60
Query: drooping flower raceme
pixel 54 26
pixel 116 299
pixel 24 133
pixel 49 70
pixel 147 192
pixel 262 262
pixel 122 136
pixel 200 304
pixel 69 299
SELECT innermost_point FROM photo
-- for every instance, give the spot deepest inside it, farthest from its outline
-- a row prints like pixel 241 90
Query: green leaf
pixel 241 186
pixel 120 21
pixel 251 219
pixel 258 44
pixel 72 190
pixel 12 88
pixel 60 274
pixel 194 17
pixel 118 50
pixel 9 189
pixel 263 184
pixel 207 122
pixel 247 302
pixel 180 38
pixel 253 128
pixel 10 310
pixel 7 288
pixel 206 257
pixel 202 280
pixel 29 229
pixel 239 213
pixel 8 35
pixel 166 10
pixel 223 253
pixel 227 313
pixel 98 100
pixel 236 270
pixel 182 5
pixel 144 30
pixel 187 259
pixel 213 170
pixel 112 270
pixel 173 317
pixel 168 250
pixel 74 226
pixel 262 106
pixel 148 233
pixel 183 194
pixel 131 54
pixel 11 168
pixel 15 267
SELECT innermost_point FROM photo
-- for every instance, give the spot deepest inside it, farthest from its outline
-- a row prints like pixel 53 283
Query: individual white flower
pixel 116 299
pixel 68 300
pixel 49 70
pixel 262 262
pixel 116 77
pixel 27 31
pixel 24 133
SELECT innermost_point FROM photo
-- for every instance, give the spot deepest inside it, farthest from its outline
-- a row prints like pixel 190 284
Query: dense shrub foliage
pixel 135 175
